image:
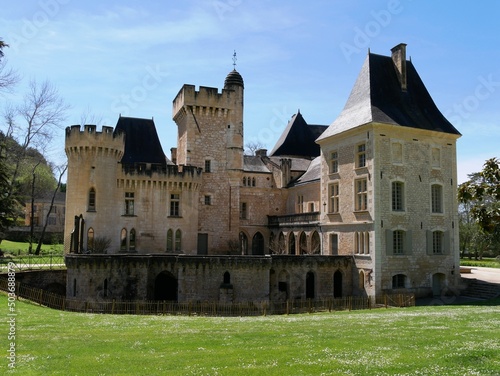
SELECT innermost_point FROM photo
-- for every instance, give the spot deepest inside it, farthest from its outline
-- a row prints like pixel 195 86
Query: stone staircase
pixel 481 290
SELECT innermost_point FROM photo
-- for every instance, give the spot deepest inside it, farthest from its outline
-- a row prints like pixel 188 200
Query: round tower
pixel 91 180
pixel 234 87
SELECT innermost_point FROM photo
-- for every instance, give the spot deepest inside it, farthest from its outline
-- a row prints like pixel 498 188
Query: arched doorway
pixel 258 244
pixel 337 284
pixel 165 287
pixel 310 285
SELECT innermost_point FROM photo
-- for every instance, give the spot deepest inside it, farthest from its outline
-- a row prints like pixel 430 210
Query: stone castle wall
pixel 204 278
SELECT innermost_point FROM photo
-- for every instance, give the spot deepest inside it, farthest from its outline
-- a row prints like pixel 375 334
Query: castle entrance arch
pixel 165 286
pixel 337 284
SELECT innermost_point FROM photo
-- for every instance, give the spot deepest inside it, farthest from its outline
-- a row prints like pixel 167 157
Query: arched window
pixel 253 182
pixel 227 278
pixel 123 240
pixel 170 240
pixel 258 244
pixel 131 245
pixel 178 236
pixel 91 203
pixel 244 181
pixel 315 243
pixel 303 243
pixel 90 239
pixel 291 244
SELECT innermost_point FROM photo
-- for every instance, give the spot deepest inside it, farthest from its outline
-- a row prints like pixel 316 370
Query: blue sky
pixel 132 57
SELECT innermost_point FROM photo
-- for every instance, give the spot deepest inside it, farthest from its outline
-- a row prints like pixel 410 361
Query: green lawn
pixel 20 248
pixel 444 340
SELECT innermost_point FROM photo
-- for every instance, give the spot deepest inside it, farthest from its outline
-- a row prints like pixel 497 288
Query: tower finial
pixel 234 60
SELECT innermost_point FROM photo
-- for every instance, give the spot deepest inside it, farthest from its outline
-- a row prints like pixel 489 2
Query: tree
pixel 252 146
pixel 33 123
pixel 482 193
pixel 62 171
pixel 7 204
pixel 8 76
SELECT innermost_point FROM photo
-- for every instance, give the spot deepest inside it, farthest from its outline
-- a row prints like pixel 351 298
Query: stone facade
pixel 375 202
pixel 186 278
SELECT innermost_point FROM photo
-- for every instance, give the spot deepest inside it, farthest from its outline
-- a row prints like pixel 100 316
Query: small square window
pixel 208 165
pixel 208 200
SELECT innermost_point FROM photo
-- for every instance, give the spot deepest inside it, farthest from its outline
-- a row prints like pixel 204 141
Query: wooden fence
pixel 60 302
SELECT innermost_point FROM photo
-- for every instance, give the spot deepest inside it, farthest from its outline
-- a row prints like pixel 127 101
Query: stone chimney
pixel 399 60
pixel 286 170
pixel 173 153
pixel 261 152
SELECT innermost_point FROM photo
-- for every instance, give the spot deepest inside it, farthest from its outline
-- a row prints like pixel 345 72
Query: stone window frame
pixel 208 166
pixel 437 198
pixel 334 162
pixel 300 204
pixel 361 194
pixel 91 204
pixel 398 196
pixel 243 210
pixel 129 203
pixel 175 205
pixel 333 197
pixel 207 200
pixel 362 243
pixel 360 155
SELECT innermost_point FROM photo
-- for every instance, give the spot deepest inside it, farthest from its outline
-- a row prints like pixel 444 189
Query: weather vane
pixel 234 60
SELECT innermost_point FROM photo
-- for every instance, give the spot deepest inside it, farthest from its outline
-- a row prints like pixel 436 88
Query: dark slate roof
pixel 298 139
pixel 298 164
pixel 142 144
pixel 313 173
pixel 253 163
pixel 377 97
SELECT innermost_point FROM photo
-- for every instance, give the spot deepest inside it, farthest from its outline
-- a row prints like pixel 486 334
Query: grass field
pixel 19 248
pixel 444 340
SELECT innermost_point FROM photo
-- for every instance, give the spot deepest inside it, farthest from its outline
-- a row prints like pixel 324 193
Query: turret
pixel 92 160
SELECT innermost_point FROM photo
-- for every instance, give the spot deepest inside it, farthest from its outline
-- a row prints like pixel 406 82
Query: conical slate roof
pixel 142 144
pixel 377 97
pixel 298 139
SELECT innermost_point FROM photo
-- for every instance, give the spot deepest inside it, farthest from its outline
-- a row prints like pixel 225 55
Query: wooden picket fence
pixel 60 302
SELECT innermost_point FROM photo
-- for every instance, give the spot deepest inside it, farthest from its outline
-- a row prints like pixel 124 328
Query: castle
pixel 362 207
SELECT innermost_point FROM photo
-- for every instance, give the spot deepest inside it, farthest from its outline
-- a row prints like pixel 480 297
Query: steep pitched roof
pixel 253 163
pixel 297 140
pixel 377 97
pixel 313 173
pixel 142 144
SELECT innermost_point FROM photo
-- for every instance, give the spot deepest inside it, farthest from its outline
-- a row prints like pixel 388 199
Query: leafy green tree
pixel 7 203
pixel 482 193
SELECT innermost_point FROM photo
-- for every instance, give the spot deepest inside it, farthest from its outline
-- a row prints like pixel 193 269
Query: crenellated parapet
pixel 169 178
pixel 205 101
pixel 91 142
